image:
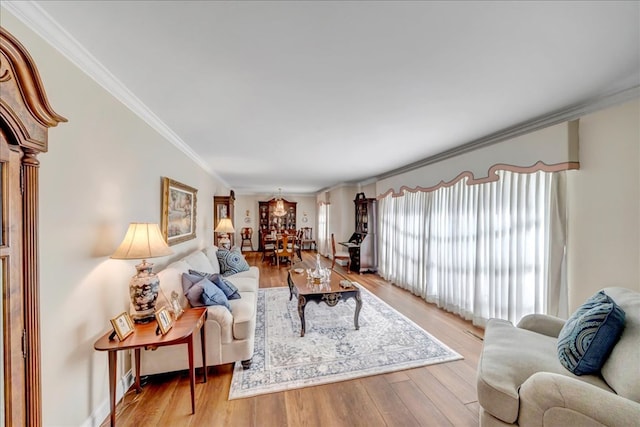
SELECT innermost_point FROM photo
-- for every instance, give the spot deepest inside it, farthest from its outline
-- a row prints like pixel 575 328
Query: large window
pixel 323 236
pixel 482 250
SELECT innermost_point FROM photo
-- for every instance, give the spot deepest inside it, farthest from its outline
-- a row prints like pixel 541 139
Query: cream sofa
pixel 520 380
pixel 229 337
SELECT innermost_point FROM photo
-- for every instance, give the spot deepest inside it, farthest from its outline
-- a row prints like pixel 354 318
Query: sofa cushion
pixel 622 369
pixel 588 336
pixel 509 357
pixel 229 289
pixel 244 315
pixel 199 261
pixel 211 253
pixel 212 295
pixel 253 272
pixel 231 262
pixel 244 284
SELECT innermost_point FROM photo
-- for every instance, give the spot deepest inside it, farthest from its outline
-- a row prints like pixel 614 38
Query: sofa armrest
pixel 542 324
pixel 553 399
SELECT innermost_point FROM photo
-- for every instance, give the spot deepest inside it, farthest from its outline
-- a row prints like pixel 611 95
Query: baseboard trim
pixel 102 411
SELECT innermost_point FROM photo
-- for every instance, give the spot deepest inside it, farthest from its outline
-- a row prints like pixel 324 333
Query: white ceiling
pixel 309 95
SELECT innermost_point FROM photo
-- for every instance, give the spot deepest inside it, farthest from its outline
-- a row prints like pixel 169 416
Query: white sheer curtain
pixel 481 250
pixel 323 237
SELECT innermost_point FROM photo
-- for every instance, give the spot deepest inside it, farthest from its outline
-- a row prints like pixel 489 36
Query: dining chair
pixel 339 255
pixel 268 246
pixel 246 233
pixel 287 250
pixel 307 238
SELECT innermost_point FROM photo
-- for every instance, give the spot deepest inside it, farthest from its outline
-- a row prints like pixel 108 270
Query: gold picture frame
pixel 164 319
pixel 122 325
pixel 178 219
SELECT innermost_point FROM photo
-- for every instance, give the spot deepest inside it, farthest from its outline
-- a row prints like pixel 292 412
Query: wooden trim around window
pixel 491 176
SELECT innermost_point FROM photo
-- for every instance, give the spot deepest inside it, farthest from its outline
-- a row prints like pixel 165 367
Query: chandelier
pixel 280 211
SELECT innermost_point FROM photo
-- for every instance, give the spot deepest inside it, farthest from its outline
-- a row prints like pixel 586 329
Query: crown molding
pixel 40 22
pixel 572 112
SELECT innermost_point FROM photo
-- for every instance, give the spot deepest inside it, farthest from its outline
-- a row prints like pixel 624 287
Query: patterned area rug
pixel 331 350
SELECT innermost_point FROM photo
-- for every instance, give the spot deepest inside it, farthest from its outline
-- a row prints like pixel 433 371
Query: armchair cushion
pixel 587 338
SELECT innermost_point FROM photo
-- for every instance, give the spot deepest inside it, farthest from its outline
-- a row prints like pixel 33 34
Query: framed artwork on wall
pixel 179 202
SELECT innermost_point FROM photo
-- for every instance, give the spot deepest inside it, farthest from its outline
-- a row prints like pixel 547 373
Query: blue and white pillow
pixel 589 335
pixel 231 261
pixel 213 295
pixel 229 289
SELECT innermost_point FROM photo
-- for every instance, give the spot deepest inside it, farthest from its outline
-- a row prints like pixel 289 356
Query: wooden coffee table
pixel 330 293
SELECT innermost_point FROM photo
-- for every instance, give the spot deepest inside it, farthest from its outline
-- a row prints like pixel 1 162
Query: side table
pixel 144 336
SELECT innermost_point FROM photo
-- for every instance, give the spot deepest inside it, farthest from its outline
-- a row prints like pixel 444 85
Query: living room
pixel 103 170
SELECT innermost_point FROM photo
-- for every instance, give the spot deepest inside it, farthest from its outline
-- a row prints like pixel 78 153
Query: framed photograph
pixel 179 202
pixel 122 325
pixel 165 322
pixel 175 305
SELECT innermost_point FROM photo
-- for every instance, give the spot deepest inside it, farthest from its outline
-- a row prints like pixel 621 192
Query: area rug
pixel 332 349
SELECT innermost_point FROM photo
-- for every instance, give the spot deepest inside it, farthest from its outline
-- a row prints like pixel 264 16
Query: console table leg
pixel 192 375
pixel 204 351
pixel 113 362
pixel 137 360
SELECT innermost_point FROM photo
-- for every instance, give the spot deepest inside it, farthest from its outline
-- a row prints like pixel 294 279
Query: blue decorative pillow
pixel 192 289
pixel 229 289
pixel 586 340
pixel 212 295
pixel 231 262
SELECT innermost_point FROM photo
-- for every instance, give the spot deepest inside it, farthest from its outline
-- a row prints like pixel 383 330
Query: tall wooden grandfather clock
pixel 25 117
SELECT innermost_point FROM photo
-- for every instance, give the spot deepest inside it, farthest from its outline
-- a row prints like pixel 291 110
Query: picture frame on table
pixel 165 321
pixel 122 326
pixel 176 306
pixel 178 216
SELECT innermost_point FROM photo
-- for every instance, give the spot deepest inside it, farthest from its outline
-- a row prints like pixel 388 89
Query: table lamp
pixel 224 227
pixel 143 241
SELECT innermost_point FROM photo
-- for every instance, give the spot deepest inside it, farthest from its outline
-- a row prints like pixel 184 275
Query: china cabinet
pixel 269 221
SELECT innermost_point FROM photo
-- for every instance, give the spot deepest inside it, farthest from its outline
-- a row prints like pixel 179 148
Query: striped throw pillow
pixel 586 340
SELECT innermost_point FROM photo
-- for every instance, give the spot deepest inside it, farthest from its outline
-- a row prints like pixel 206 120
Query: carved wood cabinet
pixel 269 221
pixel 364 256
pixel 223 207
pixel 25 117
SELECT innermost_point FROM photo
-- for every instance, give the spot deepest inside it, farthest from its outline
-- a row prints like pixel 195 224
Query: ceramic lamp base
pixel 143 290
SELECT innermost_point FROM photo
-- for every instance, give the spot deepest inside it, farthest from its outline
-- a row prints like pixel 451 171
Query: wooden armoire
pixel 25 117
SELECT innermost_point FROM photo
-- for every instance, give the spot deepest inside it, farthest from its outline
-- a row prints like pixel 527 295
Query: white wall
pixel 103 171
pixel 604 204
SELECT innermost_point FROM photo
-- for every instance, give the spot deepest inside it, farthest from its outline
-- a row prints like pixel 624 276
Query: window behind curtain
pixel 323 229
pixel 479 250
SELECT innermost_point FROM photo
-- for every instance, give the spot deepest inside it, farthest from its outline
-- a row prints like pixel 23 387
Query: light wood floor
pixel 436 395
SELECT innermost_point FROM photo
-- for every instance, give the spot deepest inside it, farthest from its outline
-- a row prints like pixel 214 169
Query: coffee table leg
pixel 302 303
pixel 358 307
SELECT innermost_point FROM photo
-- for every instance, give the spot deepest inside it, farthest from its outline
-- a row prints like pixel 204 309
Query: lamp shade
pixel 142 241
pixel 225 226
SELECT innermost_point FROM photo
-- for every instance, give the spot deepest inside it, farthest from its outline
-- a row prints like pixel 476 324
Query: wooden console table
pixel 144 336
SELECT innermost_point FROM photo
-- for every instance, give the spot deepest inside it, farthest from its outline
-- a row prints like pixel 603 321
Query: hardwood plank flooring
pixel 436 395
